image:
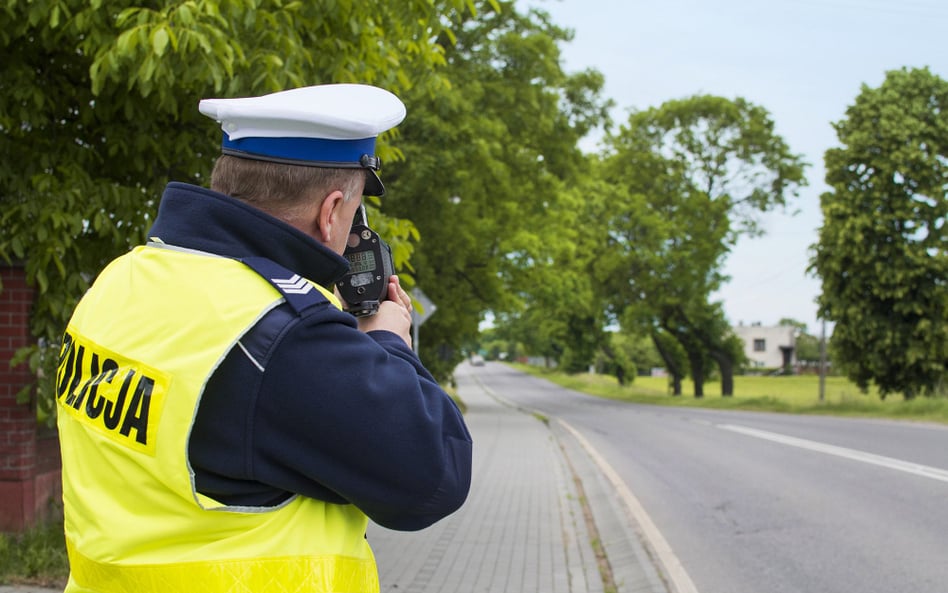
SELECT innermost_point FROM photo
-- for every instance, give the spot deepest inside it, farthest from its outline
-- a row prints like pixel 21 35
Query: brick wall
pixel 29 465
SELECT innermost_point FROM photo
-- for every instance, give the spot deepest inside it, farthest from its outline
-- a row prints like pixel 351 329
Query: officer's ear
pixel 329 218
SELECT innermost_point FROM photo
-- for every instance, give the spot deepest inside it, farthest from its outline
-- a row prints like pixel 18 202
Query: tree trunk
pixel 696 358
pixel 693 348
pixel 620 370
pixel 726 365
pixel 676 383
pixel 670 364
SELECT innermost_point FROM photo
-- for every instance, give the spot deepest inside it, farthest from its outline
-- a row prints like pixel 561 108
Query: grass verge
pixel 797 394
pixel 35 557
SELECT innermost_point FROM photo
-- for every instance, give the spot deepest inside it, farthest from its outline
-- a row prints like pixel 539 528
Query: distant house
pixel 768 346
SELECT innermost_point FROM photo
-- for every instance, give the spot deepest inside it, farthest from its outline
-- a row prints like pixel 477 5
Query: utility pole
pixel 823 361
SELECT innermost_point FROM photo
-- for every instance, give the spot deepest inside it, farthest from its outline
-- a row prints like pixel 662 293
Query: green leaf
pixel 159 41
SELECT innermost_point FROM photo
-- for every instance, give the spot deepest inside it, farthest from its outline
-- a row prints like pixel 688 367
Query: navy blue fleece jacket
pixel 323 410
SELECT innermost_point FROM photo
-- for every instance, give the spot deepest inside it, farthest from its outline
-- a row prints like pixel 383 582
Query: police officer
pixel 225 425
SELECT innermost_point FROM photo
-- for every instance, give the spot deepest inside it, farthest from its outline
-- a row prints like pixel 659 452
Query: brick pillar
pixel 26 485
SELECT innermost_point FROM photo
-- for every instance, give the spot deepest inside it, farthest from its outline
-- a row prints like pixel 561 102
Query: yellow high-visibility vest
pixel 137 354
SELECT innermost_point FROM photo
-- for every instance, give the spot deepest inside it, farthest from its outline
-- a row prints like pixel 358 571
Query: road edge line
pixel 661 551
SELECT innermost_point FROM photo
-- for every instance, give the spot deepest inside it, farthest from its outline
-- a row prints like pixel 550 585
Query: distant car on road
pixel 477 360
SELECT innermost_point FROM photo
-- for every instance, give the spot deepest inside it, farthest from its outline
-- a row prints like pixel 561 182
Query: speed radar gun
pixel 365 286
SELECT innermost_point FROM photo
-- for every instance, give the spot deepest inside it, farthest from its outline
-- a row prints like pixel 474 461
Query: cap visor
pixel 373 185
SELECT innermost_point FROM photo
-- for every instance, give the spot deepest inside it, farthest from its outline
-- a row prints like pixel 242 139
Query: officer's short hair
pixel 276 187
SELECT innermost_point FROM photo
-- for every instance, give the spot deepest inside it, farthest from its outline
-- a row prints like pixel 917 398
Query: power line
pixel 909 8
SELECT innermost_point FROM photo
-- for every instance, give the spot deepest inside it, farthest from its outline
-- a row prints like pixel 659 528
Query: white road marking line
pixel 674 570
pixel 853 454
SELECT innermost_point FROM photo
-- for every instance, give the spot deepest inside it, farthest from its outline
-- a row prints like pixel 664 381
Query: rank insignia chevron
pixel 292 285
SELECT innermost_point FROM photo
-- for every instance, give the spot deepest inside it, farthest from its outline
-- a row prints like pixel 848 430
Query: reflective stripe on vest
pixel 271 575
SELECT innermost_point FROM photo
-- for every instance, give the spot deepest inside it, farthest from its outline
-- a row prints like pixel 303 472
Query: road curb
pixel 582 564
pixel 633 568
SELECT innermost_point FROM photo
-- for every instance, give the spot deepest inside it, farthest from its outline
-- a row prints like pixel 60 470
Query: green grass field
pixel 790 394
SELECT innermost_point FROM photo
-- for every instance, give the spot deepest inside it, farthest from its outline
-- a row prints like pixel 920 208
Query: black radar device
pixel 365 286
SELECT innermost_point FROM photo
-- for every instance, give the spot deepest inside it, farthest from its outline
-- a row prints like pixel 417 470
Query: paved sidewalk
pixel 523 528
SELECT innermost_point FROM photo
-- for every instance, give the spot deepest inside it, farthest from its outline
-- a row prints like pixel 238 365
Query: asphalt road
pixel 771 503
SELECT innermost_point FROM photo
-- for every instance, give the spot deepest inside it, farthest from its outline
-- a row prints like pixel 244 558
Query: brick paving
pixel 522 528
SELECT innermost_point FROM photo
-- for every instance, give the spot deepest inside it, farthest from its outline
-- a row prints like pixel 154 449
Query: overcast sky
pixel 802 60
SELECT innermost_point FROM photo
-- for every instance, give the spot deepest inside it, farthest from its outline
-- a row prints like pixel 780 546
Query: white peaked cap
pixel 332 125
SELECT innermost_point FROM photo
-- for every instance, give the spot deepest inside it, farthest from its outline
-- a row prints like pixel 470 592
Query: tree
pixel 881 253
pixel 98 109
pixel 807 346
pixel 624 354
pixel 616 357
pixel 673 356
pixel 488 164
pixel 689 178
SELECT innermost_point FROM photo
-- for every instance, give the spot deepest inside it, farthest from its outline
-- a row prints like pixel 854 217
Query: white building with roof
pixel 768 346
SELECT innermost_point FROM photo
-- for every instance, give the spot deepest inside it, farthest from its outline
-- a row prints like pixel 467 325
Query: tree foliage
pixel 881 253
pixel 98 109
pixel 492 207
pixel 690 176
pixel 488 165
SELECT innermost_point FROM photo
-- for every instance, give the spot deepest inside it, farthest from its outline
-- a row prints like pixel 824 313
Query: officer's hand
pixel 394 314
